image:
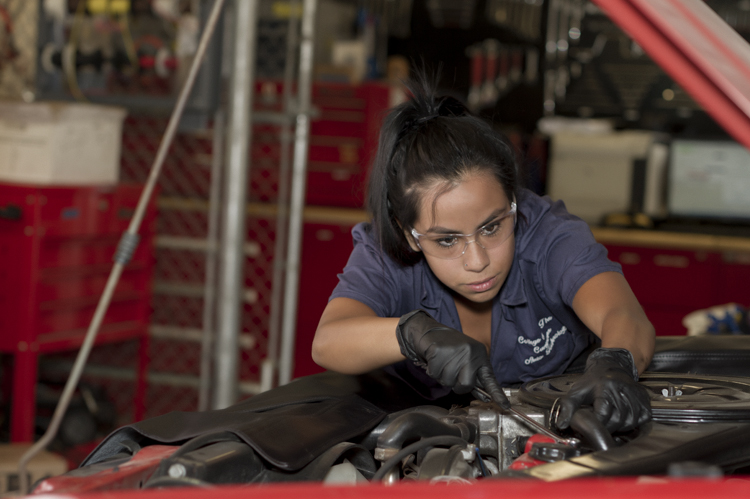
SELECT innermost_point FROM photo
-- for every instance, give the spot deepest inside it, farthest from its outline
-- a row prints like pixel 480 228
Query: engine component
pixel 551 452
pixel 507 407
pixel 453 462
pixel 215 463
pixel 674 397
pixel 386 469
pixel 499 432
pixel 370 441
pixel 418 425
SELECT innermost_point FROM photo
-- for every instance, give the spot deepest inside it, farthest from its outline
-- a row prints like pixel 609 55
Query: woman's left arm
pixel 607 305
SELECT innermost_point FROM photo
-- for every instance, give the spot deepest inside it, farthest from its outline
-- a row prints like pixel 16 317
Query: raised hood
pixel 700 51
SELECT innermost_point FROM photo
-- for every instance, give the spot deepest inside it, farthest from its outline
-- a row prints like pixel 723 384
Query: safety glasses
pixel 451 246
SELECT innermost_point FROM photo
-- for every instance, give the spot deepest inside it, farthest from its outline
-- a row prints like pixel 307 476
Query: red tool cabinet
pixel 56 252
pixel 671 282
pixel 343 140
pixel 325 251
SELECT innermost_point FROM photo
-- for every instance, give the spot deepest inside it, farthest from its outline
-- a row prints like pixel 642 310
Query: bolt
pixel 177 471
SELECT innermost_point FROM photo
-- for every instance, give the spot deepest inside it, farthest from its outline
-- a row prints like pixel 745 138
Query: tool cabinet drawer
pixel 668 277
pixel 64 315
pixel 88 251
pixel 343 139
pixel 57 257
pixel 74 212
pixel 86 284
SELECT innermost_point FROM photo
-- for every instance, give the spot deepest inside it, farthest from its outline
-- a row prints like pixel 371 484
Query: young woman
pixel 462 268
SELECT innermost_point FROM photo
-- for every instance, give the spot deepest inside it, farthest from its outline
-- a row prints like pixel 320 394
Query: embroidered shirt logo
pixel 543 346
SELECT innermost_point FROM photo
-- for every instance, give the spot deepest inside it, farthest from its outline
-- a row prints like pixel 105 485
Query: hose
pixel 415 447
pixel 585 422
pixel 419 425
pixel 370 441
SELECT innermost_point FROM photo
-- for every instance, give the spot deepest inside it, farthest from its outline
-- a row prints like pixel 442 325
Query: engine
pixel 701 425
pixel 432 443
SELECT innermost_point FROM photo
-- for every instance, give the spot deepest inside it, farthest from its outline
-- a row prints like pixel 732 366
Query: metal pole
pixel 125 250
pixel 209 303
pixel 271 363
pixel 226 356
pixel 299 173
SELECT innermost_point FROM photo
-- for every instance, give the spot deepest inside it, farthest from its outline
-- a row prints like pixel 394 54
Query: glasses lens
pixel 450 246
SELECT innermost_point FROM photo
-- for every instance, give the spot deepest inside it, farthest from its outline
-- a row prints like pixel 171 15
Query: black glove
pixel 448 355
pixel 610 385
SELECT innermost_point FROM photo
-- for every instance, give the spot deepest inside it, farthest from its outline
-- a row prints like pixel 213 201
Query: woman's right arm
pixel 352 339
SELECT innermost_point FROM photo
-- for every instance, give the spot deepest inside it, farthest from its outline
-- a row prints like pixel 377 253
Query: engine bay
pixel 700 427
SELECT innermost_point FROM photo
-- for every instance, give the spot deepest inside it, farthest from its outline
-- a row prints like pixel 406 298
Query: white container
pixel 593 172
pixel 60 143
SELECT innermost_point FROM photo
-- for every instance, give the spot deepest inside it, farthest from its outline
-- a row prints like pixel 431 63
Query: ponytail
pixel 426 139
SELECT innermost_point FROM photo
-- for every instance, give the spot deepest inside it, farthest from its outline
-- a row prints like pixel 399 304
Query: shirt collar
pixel 513 293
pixel 431 298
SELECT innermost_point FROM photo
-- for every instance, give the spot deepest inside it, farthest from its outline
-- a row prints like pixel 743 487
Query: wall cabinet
pixel 673 275
pixel 325 251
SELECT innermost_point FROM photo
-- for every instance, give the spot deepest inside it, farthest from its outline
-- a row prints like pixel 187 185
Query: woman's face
pixel 479 273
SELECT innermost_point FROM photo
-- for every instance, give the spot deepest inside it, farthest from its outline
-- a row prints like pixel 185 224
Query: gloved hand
pixel 448 355
pixel 610 385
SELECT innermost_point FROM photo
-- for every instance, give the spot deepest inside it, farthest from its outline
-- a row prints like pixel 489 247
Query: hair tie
pixel 445 106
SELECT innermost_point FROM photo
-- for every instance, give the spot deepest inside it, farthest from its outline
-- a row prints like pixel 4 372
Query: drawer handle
pixel 674 261
pixel 324 235
pixel 11 212
pixel 629 258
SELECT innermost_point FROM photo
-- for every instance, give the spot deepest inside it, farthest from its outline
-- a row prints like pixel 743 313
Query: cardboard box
pixel 43 465
pixel 60 143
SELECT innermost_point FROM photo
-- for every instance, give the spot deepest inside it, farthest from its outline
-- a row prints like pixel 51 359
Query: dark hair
pixel 426 139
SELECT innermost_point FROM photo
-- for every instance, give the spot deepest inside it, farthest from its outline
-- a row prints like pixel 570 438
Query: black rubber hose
pixel 585 422
pixel 371 440
pixel 418 425
pixel 415 447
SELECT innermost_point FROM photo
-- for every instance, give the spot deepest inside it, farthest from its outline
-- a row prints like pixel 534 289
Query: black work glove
pixel 610 385
pixel 448 355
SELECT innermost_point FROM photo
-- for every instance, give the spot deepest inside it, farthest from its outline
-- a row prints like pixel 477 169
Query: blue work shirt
pixel 535 331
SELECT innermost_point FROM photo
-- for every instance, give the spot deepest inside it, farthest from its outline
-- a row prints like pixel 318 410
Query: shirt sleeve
pixel 369 276
pixel 571 256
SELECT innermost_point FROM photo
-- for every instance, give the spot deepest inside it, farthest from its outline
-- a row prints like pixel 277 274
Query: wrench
pixel 501 401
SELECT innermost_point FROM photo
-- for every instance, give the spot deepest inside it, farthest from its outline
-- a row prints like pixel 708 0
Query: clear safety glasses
pixel 450 246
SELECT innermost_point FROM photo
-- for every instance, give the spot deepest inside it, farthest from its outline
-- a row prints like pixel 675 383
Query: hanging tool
pixel 492 392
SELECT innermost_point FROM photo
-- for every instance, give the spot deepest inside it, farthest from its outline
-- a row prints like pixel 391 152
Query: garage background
pixel 519 63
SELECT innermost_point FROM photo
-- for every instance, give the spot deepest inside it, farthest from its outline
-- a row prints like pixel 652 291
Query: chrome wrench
pixel 500 400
